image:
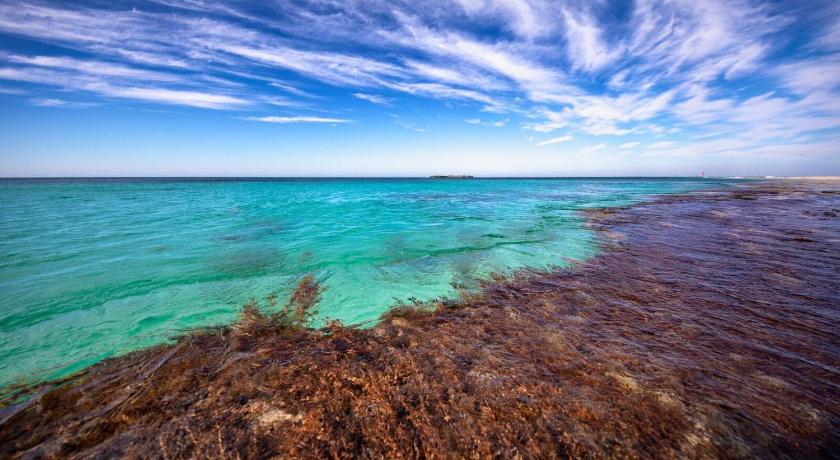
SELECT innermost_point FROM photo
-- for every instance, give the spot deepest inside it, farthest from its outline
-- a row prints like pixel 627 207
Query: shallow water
pixel 93 268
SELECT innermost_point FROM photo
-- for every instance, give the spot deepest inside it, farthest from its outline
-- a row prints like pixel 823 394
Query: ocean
pixel 93 268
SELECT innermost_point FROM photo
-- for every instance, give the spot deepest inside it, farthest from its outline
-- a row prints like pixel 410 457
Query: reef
pixel 707 327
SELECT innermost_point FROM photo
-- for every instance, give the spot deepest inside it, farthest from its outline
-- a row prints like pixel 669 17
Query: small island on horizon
pixel 452 176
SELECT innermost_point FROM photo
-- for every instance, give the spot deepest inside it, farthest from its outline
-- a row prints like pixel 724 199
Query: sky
pixel 414 88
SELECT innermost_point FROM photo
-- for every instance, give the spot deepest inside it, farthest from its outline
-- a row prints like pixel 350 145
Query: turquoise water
pixel 94 268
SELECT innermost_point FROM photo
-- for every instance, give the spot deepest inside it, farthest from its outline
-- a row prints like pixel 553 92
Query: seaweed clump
pixel 295 315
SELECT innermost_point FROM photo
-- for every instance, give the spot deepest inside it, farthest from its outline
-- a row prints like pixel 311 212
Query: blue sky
pixel 407 88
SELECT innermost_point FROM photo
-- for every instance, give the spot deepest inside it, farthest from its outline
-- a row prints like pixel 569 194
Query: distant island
pixel 452 176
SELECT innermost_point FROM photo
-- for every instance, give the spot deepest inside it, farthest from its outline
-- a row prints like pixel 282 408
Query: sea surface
pixel 92 268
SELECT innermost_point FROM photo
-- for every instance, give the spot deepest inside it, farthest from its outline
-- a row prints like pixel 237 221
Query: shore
pixel 707 327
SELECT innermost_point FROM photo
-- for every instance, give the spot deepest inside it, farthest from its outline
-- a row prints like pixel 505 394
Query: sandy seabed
pixel 707 327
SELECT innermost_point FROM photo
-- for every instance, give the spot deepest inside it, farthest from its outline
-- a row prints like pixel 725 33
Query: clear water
pixel 94 268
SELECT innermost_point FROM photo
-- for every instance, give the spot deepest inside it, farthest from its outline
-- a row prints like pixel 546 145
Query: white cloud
pixel 104 87
pixel 479 121
pixel 373 98
pixel 585 44
pixel 603 115
pixel 46 102
pixel 803 77
pixel 282 102
pixel 329 67
pixel 95 68
pixel 455 74
pixel 618 80
pixel 629 145
pixel 555 140
pixel 292 89
pixel 62 103
pixel 586 151
pixel 497 59
pixel 440 91
pixel 14 91
pixel 551 120
pixel 830 36
pixel 297 119
pixel 170 96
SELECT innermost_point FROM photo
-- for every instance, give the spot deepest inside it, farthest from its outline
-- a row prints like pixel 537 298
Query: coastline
pixel 645 350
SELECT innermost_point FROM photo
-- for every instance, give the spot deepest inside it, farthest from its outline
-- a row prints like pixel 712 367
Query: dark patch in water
pixel 257 231
pixel 699 332
pixel 231 238
pixel 248 262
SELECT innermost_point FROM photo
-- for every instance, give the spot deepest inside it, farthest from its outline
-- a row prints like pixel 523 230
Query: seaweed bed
pixel 708 327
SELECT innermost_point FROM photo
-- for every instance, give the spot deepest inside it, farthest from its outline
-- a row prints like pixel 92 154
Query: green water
pixel 94 268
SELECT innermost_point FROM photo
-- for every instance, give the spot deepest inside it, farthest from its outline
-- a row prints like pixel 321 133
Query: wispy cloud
pixel 15 91
pixel 297 119
pixel 440 91
pixel 293 90
pixel 48 102
pixel 409 126
pixel 479 121
pixel 91 67
pixel 170 96
pixel 591 149
pixel 555 140
pixel 335 68
pixel 373 98
pixel 584 40
pixel 103 86
pixel 53 102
